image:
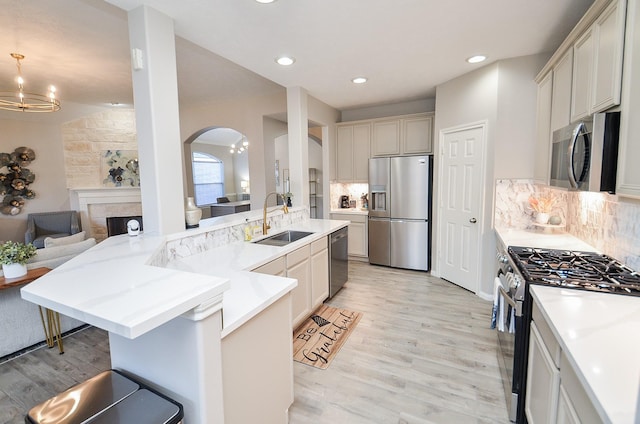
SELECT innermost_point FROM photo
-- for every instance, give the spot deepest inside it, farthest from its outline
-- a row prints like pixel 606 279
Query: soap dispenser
pixel 247 230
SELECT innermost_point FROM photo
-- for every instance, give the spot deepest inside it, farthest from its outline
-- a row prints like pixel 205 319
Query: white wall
pixel 394 109
pixel 503 95
pixel 50 184
pixel 516 132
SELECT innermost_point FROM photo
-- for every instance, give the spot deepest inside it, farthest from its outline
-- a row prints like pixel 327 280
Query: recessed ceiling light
pixel 285 60
pixel 359 80
pixel 477 59
pixel 265 1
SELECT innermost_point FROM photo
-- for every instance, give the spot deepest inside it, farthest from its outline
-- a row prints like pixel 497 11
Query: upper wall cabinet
pixel 582 74
pixel 352 152
pixel 386 138
pixel 543 130
pixel 407 135
pixel 597 63
pixel 587 68
pixel 608 45
pixel 628 180
pixel 561 96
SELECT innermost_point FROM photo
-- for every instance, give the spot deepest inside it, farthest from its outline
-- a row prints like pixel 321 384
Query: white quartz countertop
pixel 251 292
pixel 531 238
pixel 112 287
pixel 599 334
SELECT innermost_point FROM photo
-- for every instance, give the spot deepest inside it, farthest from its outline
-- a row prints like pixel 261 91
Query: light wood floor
pixel 422 353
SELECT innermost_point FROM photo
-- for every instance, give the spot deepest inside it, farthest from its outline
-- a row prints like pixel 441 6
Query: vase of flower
pixel 542 217
pixel 543 205
pixel 14 257
pixel 192 213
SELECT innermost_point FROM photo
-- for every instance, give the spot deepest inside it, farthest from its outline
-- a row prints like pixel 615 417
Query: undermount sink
pixel 284 238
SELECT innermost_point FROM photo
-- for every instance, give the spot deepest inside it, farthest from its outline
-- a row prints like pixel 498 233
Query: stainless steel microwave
pixel 584 156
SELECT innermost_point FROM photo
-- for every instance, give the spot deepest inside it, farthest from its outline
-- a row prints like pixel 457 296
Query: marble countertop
pixel 111 287
pixel 531 238
pixel 251 292
pixel 599 334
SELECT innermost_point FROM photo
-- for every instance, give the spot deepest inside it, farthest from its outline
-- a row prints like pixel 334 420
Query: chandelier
pixel 20 101
pixel 240 148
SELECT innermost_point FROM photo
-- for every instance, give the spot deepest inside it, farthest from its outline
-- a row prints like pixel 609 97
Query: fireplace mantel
pixel 83 198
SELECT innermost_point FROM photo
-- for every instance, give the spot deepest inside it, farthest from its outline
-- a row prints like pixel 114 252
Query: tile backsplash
pixel 512 209
pixel 609 223
pixel 354 191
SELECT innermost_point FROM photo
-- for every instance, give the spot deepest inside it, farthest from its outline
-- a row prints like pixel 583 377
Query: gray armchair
pixel 50 224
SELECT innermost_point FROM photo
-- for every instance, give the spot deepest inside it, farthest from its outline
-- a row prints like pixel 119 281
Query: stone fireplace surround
pixel 97 204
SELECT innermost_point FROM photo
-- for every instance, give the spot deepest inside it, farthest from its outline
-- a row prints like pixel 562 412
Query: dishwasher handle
pixel 338 235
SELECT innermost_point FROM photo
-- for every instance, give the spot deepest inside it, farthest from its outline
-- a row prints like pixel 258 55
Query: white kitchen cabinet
pixel 352 152
pixel 417 135
pixel 608 43
pixel 319 272
pixel 561 96
pixel 628 179
pixel 582 76
pixel 597 63
pixel 576 396
pixel 276 267
pixel 386 138
pixel 543 382
pixel 404 135
pixel 358 234
pixel 310 266
pixel 566 412
pixel 543 129
pixel 298 267
pixel 270 395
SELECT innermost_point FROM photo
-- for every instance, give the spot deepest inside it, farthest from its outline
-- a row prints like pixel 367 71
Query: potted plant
pixel 14 257
pixel 543 205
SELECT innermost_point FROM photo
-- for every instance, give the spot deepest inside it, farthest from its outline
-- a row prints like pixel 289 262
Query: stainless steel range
pixel 522 266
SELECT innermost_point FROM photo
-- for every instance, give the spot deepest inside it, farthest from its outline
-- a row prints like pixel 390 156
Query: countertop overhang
pixel 112 287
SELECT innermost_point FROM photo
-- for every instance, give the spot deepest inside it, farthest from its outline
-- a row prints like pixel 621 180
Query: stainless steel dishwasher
pixel 338 263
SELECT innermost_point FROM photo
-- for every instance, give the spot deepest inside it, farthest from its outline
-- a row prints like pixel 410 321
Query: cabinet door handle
pixel 473 220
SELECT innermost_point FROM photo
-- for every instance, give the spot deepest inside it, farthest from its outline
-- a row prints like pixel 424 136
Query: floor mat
pixel 319 338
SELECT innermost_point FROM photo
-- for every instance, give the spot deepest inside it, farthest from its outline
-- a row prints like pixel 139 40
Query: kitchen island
pixel 166 319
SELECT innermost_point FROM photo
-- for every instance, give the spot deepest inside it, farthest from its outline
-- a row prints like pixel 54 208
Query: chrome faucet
pixel 266 226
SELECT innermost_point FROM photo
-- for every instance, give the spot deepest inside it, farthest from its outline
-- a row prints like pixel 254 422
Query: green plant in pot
pixel 14 257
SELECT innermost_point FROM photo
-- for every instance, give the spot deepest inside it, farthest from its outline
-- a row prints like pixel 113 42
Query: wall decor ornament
pixel 15 179
pixel 121 168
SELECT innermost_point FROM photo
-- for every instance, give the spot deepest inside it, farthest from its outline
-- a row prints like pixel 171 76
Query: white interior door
pixel 460 209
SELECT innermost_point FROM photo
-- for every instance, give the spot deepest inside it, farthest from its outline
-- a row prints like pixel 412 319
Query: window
pixel 208 178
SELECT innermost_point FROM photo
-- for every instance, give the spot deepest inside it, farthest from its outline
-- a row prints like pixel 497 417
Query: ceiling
pixel 405 47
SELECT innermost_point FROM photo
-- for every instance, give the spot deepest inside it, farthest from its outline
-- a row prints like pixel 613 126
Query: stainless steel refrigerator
pixel 400 211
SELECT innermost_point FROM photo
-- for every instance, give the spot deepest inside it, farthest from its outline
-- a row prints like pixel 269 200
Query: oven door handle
pixel 507 298
pixel 517 306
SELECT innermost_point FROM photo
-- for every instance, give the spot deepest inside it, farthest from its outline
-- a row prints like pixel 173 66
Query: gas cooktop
pixel 575 270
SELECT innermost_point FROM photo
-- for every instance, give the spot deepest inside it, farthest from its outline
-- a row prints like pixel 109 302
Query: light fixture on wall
pixel 241 148
pixel 244 184
pixel 20 101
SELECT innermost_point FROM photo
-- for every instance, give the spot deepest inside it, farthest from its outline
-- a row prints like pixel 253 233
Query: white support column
pixel 297 118
pixel 181 359
pixel 155 89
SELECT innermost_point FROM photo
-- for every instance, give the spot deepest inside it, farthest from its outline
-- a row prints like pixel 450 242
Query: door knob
pixel 473 220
